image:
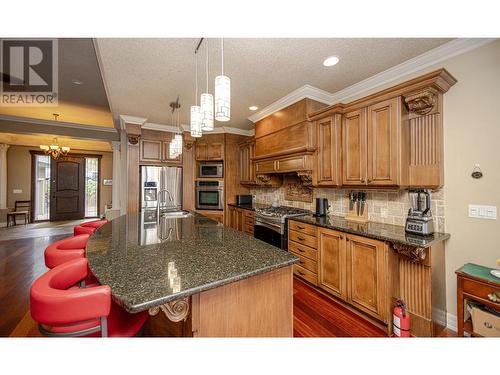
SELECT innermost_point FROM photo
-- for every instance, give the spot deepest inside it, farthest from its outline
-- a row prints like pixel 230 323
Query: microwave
pixel 214 170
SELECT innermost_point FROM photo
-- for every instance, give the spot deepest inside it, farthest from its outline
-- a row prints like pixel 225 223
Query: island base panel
pixel 261 306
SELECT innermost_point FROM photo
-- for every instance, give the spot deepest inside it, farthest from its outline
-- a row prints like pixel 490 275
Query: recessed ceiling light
pixel 331 61
pixel 253 108
pixel 77 82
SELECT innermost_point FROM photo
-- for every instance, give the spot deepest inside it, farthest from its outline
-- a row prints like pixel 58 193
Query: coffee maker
pixel 419 219
pixel 321 207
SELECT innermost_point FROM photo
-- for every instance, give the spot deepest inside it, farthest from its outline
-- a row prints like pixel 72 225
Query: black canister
pixel 321 207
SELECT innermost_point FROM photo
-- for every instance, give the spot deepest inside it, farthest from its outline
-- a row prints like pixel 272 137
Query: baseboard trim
pixel 451 320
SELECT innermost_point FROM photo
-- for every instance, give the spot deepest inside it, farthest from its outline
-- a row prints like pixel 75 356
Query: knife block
pixel 352 215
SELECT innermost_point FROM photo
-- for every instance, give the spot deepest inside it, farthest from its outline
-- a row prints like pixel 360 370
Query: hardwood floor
pixel 315 315
pixel 21 262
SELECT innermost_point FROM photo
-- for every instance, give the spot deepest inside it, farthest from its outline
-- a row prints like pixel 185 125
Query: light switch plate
pixel 17 191
pixel 478 211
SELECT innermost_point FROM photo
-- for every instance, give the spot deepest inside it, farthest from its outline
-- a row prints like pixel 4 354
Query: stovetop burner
pixel 282 211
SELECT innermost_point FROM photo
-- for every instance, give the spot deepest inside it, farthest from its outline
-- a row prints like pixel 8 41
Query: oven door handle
pixel 274 227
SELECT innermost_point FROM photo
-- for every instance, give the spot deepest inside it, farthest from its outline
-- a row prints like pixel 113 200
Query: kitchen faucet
pixel 159 198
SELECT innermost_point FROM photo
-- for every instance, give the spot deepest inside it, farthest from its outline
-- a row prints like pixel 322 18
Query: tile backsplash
pixel 383 206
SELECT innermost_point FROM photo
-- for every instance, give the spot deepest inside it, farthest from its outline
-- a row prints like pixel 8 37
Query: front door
pixel 67 188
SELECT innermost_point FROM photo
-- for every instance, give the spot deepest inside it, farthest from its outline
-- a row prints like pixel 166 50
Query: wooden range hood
pixel 285 142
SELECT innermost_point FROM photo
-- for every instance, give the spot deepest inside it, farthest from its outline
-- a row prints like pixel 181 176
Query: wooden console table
pixel 475 283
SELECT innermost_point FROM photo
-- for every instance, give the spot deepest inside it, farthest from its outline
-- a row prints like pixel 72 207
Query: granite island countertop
pixel 149 264
pixel 385 232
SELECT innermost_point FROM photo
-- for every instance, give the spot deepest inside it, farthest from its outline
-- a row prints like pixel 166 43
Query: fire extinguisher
pixel 400 320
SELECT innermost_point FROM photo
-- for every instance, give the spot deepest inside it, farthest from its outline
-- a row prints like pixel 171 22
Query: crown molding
pixel 306 91
pixel 186 128
pixel 436 55
pixel 127 119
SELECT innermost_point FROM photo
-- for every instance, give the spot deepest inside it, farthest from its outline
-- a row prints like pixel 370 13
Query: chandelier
pixel 54 150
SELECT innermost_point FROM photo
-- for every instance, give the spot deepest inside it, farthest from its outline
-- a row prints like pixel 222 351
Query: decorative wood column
pixel 3 176
pixel 116 175
pixel 132 127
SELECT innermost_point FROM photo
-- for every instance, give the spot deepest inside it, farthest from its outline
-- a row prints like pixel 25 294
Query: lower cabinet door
pixel 367 273
pixel 332 262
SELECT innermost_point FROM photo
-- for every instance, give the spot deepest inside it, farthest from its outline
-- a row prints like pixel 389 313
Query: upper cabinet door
pixel 329 130
pixel 383 154
pixel 150 150
pixel 215 151
pixel 354 148
pixel 166 154
pixel 201 150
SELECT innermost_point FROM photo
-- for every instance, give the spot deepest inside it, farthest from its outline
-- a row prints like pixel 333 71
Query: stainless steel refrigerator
pixel 161 188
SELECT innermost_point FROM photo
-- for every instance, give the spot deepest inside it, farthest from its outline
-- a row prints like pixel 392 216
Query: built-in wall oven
pixel 211 170
pixel 209 195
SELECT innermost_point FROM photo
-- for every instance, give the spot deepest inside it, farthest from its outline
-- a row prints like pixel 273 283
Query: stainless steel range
pixel 271 224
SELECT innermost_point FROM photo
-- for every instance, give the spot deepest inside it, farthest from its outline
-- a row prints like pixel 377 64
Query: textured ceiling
pixel 144 75
pixel 83 104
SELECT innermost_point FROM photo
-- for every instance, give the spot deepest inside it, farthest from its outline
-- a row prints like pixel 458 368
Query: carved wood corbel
pixel 422 102
pixel 133 139
pixel 175 310
pixel 414 254
pixel 306 177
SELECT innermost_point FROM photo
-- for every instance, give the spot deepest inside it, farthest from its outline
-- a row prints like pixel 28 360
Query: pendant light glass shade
pixel 207 112
pixel 222 98
pixel 196 121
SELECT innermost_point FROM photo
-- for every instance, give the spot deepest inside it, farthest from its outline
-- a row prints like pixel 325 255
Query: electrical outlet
pixel 478 211
pixel 17 191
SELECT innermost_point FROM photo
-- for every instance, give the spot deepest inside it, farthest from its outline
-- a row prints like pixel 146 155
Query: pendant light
pixel 175 149
pixel 195 109
pixel 222 92
pixel 207 105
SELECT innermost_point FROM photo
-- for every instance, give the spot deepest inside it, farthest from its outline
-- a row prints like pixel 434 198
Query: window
pixel 91 186
pixel 42 187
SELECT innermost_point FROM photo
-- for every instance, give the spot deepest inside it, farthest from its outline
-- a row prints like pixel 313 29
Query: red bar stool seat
pixel 89 312
pixel 89 227
pixel 65 250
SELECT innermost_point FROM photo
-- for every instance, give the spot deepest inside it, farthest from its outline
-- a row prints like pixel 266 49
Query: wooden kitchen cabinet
pixel 367 275
pixel 155 151
pixel 210 147
pixel 236 218
pixel 247 167
pixel 373 148
pixel 354 148
pixel 382 147
pixel 332 262
pixel 329 150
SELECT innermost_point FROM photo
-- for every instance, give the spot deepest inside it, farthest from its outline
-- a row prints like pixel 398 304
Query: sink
pixel 175 214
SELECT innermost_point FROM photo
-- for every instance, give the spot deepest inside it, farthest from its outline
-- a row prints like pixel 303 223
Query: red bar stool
pixel 89 227
pixel 65 250
pixel 88 312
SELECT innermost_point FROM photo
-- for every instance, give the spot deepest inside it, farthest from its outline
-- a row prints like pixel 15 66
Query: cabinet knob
pixel 369 180
pixel 301 238
pixel 341 237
